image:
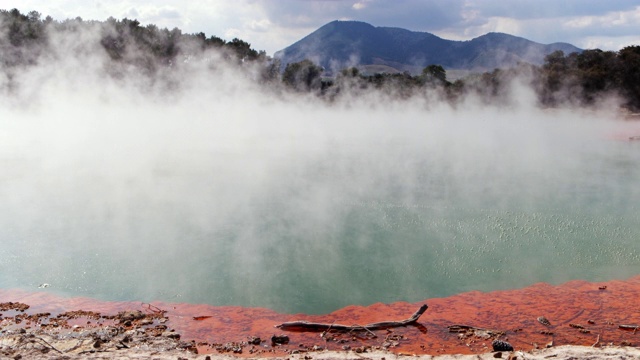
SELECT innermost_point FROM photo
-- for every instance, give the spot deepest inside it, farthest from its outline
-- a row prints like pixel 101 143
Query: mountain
pixel 341 44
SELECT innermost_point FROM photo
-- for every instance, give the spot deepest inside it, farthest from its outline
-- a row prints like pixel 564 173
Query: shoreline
pixel 30 346
pixel 584 318
pixel 567 352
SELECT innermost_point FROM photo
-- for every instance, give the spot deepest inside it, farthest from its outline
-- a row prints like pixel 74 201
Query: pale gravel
pixel 561 352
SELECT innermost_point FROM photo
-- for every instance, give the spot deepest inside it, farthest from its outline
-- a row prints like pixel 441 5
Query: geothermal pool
pixel 307 208
pixel 220 192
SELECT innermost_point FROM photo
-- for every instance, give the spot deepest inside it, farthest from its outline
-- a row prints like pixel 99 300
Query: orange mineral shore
pixel 578 313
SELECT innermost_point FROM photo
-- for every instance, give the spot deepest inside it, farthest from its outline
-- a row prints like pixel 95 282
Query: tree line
pixel 577 78
pixel 24 38
pixel 580 79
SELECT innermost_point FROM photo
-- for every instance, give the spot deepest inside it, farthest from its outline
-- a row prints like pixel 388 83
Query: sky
pixel 272 25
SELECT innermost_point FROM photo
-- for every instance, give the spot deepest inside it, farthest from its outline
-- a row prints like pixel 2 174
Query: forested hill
pixel 24 38
pixel 354 43
pixel 125 48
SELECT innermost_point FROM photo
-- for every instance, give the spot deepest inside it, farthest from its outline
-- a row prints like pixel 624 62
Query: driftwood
pixel 633 328
pixel 41 340
pixel 311 326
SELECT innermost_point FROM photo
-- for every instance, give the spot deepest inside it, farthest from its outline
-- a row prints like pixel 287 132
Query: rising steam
pixel 199 184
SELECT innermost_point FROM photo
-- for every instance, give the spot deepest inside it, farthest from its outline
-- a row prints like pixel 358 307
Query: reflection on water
pixel 405 215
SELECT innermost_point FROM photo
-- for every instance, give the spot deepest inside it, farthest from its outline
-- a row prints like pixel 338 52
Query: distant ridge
pixel 341 44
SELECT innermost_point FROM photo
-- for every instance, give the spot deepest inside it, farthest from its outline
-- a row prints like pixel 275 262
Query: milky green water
pixel 313 231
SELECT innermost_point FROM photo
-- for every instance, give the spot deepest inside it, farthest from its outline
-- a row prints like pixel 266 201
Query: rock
pixel 279 339
pixel 171 335
pixel 499 345
pixel 124 316
pixel 544 321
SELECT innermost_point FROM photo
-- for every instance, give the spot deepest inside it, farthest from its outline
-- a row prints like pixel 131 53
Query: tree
pixel 242 50
pixel 270 70
pixel 595 72
pixel 628 75
pixel 303 76
pixel 33 16
pixel 351 72
pixel 434 74
pixel 558 80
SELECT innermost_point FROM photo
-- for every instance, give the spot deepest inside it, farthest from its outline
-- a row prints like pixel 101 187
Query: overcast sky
pixel 272 25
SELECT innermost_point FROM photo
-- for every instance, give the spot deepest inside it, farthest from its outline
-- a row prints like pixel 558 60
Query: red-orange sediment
pixel 598 307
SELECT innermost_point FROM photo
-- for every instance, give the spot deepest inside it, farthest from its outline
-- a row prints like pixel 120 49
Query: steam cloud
pixel 200 185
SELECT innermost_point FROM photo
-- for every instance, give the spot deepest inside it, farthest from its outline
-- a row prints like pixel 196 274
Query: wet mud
pixel 538 316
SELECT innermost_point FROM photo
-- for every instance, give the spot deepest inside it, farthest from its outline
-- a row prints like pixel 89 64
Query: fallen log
pixel 633 328
pixel 311 326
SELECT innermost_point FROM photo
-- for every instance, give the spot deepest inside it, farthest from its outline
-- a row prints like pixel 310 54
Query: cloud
pixel 619 21
pixel 604 42
pixel 272 25
pixel 616 29
pixel 541 21
pixel 261 25
pixel 548 9
pixel 360 5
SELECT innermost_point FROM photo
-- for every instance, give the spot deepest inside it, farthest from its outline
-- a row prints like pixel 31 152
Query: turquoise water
pixel 304 220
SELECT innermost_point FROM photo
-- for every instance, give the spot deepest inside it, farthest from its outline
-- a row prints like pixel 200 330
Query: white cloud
pixel 259 25
pixel 580 22
pixel 359 5
pixel 607 43
pixel 273 25
pixel 233 33
pixel 502 24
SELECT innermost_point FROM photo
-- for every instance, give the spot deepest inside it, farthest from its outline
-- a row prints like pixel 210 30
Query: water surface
pixel 314 212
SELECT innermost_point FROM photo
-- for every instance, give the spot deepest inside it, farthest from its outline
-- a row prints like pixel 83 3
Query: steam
pixel 200 185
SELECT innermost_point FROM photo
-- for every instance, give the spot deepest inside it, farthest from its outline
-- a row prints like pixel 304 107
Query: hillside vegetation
pixel 578 78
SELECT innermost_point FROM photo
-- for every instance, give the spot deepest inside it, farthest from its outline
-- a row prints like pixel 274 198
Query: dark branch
pixel 311 326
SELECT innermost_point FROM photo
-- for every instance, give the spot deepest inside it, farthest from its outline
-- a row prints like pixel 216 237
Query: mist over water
pixel 222 192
